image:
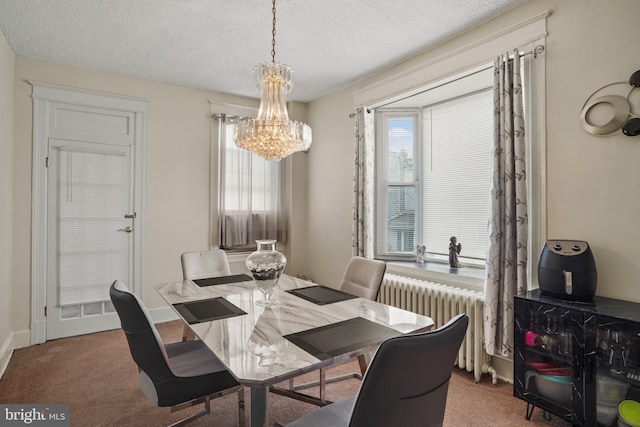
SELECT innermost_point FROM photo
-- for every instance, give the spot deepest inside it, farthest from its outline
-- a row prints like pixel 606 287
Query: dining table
pixel 309 327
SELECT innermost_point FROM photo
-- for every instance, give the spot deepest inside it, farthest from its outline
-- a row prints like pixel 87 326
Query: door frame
pixel 43 96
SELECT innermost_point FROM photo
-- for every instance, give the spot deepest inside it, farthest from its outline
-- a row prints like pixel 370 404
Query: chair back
pixel 363 277
pixel 145 344
pixel 204 264
pixel 407 381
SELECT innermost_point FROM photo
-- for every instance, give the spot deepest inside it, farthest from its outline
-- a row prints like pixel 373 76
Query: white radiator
pixel 441 303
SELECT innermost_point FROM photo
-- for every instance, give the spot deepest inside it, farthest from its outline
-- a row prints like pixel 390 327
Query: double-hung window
pixel 434 173
pixel 251 199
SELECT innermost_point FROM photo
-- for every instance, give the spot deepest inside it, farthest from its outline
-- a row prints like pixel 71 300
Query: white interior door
pixel 87 207
pixel 90 229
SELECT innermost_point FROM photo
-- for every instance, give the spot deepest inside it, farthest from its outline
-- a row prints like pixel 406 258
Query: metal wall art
pixel 624 102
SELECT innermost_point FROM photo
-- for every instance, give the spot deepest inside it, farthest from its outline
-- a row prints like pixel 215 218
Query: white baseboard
pixel 503 367
pixel 22 338
pixel 6 351
pixel 14 340
pixel 159 315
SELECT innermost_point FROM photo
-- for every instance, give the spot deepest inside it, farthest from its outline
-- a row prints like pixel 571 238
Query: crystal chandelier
pixel 272 135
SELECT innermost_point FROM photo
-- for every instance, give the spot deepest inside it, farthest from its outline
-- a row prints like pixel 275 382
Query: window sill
pixel 465 277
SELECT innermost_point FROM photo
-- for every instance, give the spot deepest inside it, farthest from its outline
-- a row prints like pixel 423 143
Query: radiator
pixel 441 303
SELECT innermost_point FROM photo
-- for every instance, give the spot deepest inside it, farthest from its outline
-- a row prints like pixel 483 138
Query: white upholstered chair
pixel 362 278
pixel 202 265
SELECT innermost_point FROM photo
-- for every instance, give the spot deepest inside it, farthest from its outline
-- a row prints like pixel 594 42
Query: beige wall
pixel 7 63
pixel 591 181
pixel 330 180
pixel 177 171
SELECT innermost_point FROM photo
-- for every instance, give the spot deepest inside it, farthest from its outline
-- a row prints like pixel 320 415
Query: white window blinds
pixel 457 157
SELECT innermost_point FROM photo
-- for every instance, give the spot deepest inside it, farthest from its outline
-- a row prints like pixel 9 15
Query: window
pixel 399 185
pixel 251 196
pixel 434 173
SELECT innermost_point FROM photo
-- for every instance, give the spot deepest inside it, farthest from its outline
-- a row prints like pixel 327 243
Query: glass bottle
pixel 550 337
pixel 531 336
pixel 266 265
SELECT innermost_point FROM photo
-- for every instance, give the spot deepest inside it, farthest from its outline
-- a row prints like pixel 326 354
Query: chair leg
pixel 187 334
pixel 241 416
pixel 205 411
pixel 207 406
pixel 363 361
pixel 323 384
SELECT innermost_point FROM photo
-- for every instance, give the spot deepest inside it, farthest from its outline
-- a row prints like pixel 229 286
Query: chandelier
pixel 272 135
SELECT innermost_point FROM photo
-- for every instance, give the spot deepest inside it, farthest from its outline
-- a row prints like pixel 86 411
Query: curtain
pixel 251 194
pixel 508 222
pixel 363 184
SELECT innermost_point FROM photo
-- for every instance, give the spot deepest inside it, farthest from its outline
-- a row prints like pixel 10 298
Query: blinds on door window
pixel 92 253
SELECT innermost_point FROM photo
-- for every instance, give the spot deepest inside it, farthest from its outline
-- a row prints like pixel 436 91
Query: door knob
pixel 127 229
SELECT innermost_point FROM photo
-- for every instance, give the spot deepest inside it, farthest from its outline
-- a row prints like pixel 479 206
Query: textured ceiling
pixel 213 44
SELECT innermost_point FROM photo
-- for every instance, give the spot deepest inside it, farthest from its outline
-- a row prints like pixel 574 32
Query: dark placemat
pixel 222 280
pixel 207 310
pixel 321 295
pixel 342 337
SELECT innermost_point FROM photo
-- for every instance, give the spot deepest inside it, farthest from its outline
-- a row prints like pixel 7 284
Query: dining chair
pixel 177 375
pixel 362 278
pixel 202 265
pixel 406 383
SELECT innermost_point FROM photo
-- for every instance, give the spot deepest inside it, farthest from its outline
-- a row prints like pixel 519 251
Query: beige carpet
pixel 95 375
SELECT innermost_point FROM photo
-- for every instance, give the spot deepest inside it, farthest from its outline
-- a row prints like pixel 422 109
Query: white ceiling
pixel 213 44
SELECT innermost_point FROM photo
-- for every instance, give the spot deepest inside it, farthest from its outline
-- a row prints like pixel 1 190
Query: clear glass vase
pixel 266 265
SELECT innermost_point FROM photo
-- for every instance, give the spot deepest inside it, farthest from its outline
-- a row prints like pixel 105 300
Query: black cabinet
pixel 576 360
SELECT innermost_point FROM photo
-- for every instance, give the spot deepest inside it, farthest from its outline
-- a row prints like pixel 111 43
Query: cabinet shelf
pixel 555 357
pixel 624 377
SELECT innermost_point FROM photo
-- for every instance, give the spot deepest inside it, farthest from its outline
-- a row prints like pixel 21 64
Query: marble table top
pixel 253 347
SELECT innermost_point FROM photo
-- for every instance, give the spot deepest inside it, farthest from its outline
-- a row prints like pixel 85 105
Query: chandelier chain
pixel 273 34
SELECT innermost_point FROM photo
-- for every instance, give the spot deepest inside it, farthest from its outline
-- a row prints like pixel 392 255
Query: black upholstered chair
pixel 362 278
pixel 176 375
pixel 406 383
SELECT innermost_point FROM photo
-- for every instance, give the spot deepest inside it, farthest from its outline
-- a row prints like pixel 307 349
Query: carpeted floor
pixel 95 375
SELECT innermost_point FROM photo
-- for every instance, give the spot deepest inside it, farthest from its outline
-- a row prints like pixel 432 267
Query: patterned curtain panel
pixel 251 203
pixel 363 184
pixel 508 221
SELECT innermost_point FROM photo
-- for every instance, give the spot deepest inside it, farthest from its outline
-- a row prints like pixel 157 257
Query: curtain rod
pixel 228 118
pixel 535 52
